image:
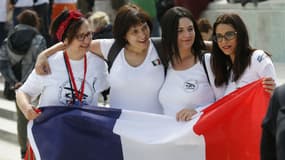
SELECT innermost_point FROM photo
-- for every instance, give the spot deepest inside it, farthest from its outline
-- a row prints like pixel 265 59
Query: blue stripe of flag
pixel 58 133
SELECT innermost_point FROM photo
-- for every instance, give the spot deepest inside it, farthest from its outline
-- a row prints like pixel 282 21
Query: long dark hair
pixel 169 27
pixel 221 63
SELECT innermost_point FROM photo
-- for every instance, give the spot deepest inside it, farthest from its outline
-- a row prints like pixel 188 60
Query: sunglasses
pixel 81 37
pixel 227 36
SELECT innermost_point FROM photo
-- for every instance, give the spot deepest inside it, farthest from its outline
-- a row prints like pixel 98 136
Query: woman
pixel 77 75
pixel 186 76
pixel 137 73
pixel 233 61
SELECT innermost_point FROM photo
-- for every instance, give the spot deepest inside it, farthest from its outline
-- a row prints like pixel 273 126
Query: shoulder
pixel 55 58
pixel 106 41
pixel 94 58
pixel 259 56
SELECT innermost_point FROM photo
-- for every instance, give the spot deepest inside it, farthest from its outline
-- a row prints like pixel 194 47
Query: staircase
pixel 8 117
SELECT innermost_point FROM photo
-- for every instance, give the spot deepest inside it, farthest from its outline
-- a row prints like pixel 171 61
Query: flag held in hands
pixel 228 129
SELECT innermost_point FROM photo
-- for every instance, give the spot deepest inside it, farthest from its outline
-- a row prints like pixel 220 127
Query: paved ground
pixel 10 151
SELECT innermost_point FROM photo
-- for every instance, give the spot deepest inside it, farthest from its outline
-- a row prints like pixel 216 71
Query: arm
pixel 42 66
pixel 7 72
pixel 24 103
pixel 6 66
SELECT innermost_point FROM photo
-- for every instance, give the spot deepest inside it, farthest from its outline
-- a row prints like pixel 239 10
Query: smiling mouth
pixel 84 46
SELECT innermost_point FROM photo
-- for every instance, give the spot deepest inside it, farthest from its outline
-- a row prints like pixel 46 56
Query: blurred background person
pixel 205 28
pixel 100 25
pixel 85 6
pixel 59 5
pixel 41 7
pixel 17 59
pixel 3 19
pixel 196 7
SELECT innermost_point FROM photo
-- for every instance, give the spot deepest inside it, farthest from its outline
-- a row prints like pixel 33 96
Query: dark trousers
pixel 22 131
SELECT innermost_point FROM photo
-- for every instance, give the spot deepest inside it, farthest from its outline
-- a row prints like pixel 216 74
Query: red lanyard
pixel 79 95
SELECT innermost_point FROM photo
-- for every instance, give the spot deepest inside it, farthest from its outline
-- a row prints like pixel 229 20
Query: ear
pixel 65 42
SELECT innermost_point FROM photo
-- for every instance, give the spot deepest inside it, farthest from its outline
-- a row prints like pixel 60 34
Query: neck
pixel 74 54
pixel 186 54
pixel 136 51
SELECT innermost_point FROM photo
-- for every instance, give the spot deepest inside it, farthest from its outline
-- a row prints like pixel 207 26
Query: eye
pixel 191 29
pixel 180 30
pixel 81 36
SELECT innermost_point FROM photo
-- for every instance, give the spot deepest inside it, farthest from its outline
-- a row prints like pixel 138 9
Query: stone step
pixel 8 109
pixel 8 130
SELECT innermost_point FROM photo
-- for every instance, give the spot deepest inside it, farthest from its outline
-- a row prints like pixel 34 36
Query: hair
pixel 99 20
pixel 169 27
pixel 72 28
pixel 128 16
pixel 29 17
pixel 221 63
pixel 204 25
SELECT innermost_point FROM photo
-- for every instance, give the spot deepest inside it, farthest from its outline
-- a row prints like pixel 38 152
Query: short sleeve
pixel 33 85
pixel 105 45
pixel 263 64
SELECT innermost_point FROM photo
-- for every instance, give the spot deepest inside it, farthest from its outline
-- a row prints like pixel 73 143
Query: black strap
pixel 113 53
pixel 205 68
pixel 158 46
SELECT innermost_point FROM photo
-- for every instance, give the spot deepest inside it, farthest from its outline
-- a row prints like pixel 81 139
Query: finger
pixel 179 115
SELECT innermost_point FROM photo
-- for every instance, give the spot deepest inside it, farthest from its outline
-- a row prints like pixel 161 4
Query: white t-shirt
pixel 135 88
pixel 55 88
pixel 64 1
pixel 261 66
pixel 187 88
pixel 29 3
pixel 3 10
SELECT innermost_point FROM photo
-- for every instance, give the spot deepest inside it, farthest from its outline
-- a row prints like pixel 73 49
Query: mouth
pixel 227 47
pixel 85 46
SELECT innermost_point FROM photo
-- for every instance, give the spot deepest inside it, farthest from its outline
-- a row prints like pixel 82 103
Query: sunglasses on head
pixel 227 36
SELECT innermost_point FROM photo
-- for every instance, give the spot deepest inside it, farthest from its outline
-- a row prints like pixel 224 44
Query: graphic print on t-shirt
pixel 260 58
pixel 190 85
pixel 67 93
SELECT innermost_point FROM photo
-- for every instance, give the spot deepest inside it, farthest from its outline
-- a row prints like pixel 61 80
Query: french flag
pixel 228 129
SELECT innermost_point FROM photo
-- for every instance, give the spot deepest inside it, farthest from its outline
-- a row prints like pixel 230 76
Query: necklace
pixel 78 93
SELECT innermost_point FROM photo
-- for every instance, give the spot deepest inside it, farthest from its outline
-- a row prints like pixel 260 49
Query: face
pixel 226 37
pixel 185 34
pixel 206 35
pixel 83 37
pixel 138 36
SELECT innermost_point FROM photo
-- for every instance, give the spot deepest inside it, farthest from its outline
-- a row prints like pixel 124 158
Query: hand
pixel 185 114
pixel 17 85
pixel 268 84
pixel 31 112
